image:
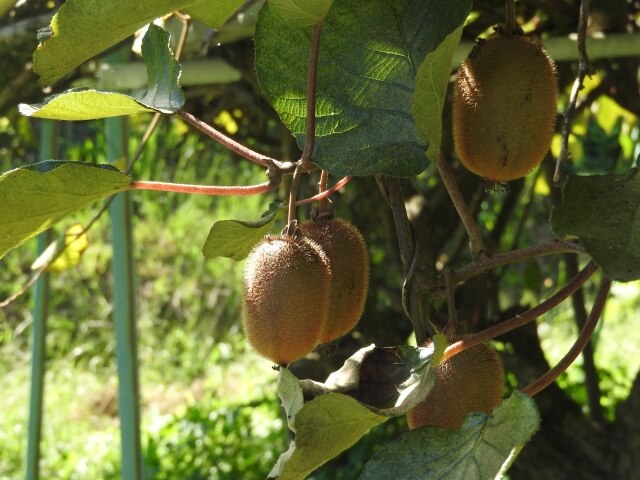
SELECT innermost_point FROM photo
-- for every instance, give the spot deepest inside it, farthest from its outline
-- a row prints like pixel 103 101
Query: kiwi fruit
pixel 471 381
pixel 504 107
pixel 349 259
pixel 286 297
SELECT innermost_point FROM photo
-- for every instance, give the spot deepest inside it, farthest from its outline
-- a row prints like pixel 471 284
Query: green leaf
pixel 431 91
pixel 478 451
pixel 364 121
pixel 84 104
pixel 235 238
pixel 603 211
pixel 325 427
pixel 214 13
pixel 301 13
pixel 36 197
pixel 83 28
pixel 164 94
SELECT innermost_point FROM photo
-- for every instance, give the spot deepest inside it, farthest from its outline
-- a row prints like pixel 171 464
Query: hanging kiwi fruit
pixel 347 252
pixel 504 106
pixel 286 296
pixel 471 381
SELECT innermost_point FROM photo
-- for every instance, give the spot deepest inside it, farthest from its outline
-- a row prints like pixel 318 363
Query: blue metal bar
pixel 124 310
pixel 39 327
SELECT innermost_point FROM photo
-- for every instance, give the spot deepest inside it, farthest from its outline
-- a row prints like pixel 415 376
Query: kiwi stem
pixel 293 192
pixel 205 189
pixel 229 143
pixel 451 301
pixel 304 164
pixel 579 345
pixel 312 76
pixel 322 187
pixel 476 244
pixel 326 194
pixel 583 71
pixel 483 265
pixel 510 17
pixel 518 321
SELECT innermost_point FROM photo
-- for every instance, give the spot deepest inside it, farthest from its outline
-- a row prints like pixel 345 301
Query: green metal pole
pixel 124 311
pixel 39 328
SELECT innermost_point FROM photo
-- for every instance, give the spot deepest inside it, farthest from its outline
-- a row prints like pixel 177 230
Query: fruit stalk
pixel 492 332
pixel 231 144
pixel 510 17
pixel 582 340
pixel 304 164
pixel 205 189
pixel 476 244
pixel 483 265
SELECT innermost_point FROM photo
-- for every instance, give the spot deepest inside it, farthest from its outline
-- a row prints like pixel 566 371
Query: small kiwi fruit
pixel 349 259
pixel 286 297
pixel 471 381
pixel 504 107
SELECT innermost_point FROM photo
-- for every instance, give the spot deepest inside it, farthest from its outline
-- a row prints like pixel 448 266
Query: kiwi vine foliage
pixel 189 333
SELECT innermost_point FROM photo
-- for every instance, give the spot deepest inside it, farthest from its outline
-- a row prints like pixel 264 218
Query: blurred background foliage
pixel 209 404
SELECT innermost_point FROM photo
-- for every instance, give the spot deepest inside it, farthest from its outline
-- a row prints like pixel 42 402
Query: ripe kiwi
pixel 347 252
pixel 471 381
pixel 504 107
pixel 286 296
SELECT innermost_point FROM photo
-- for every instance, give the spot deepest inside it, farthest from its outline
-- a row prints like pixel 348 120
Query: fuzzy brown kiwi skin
pixel 349 258
pixel 504 107
pixel 471 381
pixel 286 297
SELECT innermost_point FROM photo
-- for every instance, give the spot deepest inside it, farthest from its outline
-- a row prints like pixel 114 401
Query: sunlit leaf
pixel 83 28
pixel 84 104
pixel 34 198
pixel 164 93
pixel 235 238
pixel 325 426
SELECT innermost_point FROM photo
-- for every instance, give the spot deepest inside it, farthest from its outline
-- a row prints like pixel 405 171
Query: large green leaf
pixel 36 197
pixel 301 13
pixel 83 28
pixel 483 447
pixel 603 211
pixel 164 94
pixel 369 55
pixel 431 91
